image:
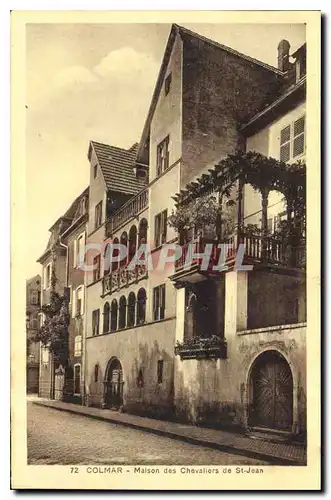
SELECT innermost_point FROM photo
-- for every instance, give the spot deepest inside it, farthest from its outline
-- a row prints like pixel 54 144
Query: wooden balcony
pixel 122 277
pixel 257 250
pixel 213 347
pixel 128 211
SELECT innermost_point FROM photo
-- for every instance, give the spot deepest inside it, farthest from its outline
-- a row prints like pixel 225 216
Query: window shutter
pixel 164 216
pixel 73 310
pixel 285 138
pixel 162 301
pixel 157 230
pixel 299 137
pixel 83 298
pixel 75 253
pixel 155 303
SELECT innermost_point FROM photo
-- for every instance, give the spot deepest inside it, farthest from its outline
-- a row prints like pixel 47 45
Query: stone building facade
pixel 141 323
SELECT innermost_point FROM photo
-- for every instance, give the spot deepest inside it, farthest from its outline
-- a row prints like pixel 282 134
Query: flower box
pixel 202 348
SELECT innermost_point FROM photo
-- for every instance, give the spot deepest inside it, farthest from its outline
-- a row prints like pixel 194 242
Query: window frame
pixel 292 137
pixel 162 161
pixel 78 312
pixel 95 322
pixel 160 368
pixel 159 302
pixel 96 271
pixel 47 279
pixel 160 228
pixel 80 379
pixel 98 215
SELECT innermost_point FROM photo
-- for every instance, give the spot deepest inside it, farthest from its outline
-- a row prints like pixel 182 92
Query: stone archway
pixel 113 384
pixel 271 392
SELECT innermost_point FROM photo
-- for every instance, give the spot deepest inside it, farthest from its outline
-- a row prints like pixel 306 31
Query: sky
pixel 95 82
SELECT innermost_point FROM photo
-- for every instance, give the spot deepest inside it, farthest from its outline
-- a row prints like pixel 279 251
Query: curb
pixel 274 460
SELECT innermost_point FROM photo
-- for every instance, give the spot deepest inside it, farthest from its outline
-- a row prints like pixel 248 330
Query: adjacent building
pixel 217 348
pixel 33 287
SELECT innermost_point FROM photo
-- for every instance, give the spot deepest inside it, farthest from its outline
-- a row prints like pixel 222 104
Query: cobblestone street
pixel 61 438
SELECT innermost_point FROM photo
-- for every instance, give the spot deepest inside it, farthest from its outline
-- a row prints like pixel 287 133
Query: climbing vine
pixel 203 213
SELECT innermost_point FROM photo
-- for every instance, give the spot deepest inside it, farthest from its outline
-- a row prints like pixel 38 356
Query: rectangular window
pixel 34 297
pixel 95 171
pixel 47 276
pixel 162 157
pixel 34 322
pixel 292 140
pixel 79 301
pixel 96 268
pixel 98 214
pixel 78 345
pixel 167 84
pixel 79 250
pixel 160 228
pixel 77 379
pixel 160 371
pixel 95 322
pixel 159 302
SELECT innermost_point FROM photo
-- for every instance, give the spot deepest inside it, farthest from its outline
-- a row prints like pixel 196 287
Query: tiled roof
pixel 117 167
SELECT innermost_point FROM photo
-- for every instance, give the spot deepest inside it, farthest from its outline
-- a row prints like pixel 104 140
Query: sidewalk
pixel 273 453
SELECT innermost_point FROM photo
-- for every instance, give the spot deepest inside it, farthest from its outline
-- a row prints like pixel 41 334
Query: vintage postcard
pixel 165 250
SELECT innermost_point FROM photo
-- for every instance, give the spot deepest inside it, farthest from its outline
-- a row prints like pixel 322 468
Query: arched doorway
pixel 113 396
pixel 271 392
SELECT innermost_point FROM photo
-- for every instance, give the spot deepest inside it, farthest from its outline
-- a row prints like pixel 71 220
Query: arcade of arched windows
pixel 131 240
pixel 126 312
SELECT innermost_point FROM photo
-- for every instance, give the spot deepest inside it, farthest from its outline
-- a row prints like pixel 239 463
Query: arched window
pixel 115 253
pixel 142 237
pixel 132 242
pixel 131 309
pixel 106 260
pixel 124 242
pixel 106 310
pixel 113 316
pixel 141 307
pixel 96 373
pixel 122 312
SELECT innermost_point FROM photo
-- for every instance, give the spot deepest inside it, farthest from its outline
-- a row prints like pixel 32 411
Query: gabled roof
pixel 117 166
pixel 176 29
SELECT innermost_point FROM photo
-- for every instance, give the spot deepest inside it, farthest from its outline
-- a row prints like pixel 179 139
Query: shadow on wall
pixel 148 390
pixel 150 383
pixel 196 400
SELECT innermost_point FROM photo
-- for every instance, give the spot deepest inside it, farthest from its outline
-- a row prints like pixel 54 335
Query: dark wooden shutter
pixel 162 301
pixel 164 216
pixel 285 143
pixel 157 230
pixel 156 303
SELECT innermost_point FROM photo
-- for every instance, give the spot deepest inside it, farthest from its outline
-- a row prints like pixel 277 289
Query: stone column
pixel 236 300
pixel 180 314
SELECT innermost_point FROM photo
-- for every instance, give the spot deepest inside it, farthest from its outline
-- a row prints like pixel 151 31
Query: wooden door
pixel 114 385
pixel 272 386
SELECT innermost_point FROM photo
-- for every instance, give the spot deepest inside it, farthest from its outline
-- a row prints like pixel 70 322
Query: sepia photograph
pixel 166 258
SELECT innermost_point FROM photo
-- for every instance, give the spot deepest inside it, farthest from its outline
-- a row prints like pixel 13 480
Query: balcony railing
pixel 122 277
pixel 129 210
pixel 213 347
pixel 256 248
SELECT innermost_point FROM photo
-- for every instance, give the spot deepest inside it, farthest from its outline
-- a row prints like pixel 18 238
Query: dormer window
pixel 167 84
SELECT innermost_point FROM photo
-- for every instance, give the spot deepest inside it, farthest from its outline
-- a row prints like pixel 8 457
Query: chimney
pixel 283 55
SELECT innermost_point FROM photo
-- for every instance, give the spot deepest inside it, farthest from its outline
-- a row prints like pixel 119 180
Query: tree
pixel 53 334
